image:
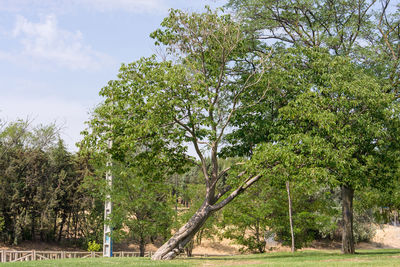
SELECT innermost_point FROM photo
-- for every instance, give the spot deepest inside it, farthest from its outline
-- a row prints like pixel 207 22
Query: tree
pixel 339 26
pixel 141 200
pixel 40 193
pixel 25 177
pixel 351 113
pixel 62 188
pixel 364 31
pixel 191 98
pixel 263 209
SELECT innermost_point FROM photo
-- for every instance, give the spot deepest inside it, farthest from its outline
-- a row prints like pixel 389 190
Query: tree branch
pixel 235 193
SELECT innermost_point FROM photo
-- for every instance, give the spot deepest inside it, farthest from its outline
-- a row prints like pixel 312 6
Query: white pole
pixel 107 241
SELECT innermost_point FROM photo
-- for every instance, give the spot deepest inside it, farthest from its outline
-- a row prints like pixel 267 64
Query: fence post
pixel 33 254
pixel 92 254
pixel 3 256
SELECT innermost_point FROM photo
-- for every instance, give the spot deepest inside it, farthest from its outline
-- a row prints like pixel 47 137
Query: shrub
pixel 93 246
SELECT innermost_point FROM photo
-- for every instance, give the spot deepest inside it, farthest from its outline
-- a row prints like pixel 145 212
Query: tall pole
pixel 107 241
pixel 290 214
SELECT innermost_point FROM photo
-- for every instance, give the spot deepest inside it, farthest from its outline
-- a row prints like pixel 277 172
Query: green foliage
pixel 339 26
pixel 40 186
pixel 333 130
pixel 142 204
pixel 318 118
pixel 157 108
pixel 349 112
pixel 1 224
pixel 93 246
pixel 263 210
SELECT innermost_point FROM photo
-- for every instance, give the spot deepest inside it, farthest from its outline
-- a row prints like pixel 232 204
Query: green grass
pixel 381 257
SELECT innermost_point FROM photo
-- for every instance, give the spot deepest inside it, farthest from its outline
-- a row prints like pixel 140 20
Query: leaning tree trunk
pixel 184 235
pixel 178 241
pixel 347 219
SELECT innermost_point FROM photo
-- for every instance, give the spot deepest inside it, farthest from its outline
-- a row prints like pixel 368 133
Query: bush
pixel 93 246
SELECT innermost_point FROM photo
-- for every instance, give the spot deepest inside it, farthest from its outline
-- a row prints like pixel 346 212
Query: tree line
pixel 42 194
pixel 58 197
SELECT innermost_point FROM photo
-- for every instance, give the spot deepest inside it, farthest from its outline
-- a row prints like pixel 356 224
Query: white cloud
pixel 45 43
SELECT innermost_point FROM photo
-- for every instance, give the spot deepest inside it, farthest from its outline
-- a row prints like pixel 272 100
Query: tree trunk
pixel 260 244
pixel 17 231
pixel 142 247
pixel 75 220
pixel 347 219
pixel 189 248
pixel 33 227
pixel 184 235
pixel 54 227
pixel 290 214
pixel 64 218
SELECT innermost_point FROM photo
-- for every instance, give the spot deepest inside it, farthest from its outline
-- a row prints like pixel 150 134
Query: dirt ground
pixel 40 246
pixel 387 236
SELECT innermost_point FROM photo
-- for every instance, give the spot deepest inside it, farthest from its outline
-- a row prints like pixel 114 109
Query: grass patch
pixel 381 257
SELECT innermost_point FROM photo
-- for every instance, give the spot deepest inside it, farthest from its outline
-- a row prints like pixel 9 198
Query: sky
pixel 56 55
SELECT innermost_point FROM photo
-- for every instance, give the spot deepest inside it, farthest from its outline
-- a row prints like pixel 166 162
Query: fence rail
pixel 13 256
pixel 31 255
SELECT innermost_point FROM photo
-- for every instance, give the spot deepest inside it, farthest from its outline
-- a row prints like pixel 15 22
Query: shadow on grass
pixel 379 252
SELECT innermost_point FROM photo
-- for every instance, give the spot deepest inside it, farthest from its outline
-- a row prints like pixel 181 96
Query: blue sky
pixel 55 55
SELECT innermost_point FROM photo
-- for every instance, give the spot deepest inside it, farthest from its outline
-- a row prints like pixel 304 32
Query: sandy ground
pixel 387 236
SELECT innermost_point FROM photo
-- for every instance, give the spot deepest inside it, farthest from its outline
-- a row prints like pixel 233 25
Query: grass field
pixel 381 257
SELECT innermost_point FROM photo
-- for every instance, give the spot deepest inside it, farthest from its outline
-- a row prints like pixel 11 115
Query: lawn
pixel 381 257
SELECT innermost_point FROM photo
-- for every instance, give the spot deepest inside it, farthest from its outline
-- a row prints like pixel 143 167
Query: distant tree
pixel 88 203
pixel 25 177
pixel 63 187
pixel 41 194
pixel 142 201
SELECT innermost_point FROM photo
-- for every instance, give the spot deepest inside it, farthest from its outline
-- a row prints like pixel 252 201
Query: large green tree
pixel 365 31
pixel 353 118
pixel 187 99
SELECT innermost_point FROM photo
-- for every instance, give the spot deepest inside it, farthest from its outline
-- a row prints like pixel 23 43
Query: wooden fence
pixel 13 256
pixel 31 255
